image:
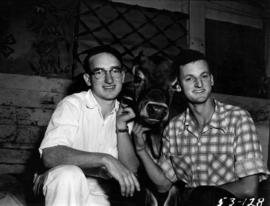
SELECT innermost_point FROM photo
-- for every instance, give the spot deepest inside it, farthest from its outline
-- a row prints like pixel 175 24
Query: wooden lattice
pixel 130 29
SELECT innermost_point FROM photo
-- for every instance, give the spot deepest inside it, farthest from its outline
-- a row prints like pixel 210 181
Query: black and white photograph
pixel 134 102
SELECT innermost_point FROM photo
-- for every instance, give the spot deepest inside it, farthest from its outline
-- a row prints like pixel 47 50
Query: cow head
pixel 150 92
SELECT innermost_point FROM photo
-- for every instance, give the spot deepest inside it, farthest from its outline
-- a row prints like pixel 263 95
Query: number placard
pixel 229 201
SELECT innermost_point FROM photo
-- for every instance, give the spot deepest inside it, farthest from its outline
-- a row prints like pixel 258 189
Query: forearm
pixel 110 166
pixel 245 187
pixel 126 153
pixel 154 172
pixel 58 155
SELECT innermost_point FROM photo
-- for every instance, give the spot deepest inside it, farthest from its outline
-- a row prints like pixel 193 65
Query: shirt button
pixel 198 167
pixel 199 143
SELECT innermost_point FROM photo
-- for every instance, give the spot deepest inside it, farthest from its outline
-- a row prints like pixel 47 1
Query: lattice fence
pixel 130 29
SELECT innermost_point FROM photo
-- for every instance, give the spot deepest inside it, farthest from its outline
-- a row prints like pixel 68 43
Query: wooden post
pixel 267 47
pixel 197 25
pixel 267 56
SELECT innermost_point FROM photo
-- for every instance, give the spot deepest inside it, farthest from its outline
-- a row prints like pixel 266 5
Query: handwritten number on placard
pixel 244 201
pixel 225 201
pixel 260 202
pixel 220 201
pixel 251 202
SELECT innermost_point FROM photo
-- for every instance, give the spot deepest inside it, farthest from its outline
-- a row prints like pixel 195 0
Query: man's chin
pixel 199 100
pixel 110 96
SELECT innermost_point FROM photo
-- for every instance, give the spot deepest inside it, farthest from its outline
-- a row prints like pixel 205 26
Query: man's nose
pixel 108 77
pixel 198 82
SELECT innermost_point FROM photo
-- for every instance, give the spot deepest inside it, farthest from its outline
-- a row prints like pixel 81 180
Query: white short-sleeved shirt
pixel 77 122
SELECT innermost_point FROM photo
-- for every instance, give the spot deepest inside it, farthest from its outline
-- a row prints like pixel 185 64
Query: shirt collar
pixel 218 119
pixel 188 119
pixel 91 101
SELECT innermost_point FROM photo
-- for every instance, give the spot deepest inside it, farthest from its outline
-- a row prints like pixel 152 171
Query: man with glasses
pixel 88 136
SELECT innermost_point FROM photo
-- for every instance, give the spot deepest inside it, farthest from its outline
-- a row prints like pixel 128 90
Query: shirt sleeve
pixel 248 150
pixel 62 126
pixel 165 161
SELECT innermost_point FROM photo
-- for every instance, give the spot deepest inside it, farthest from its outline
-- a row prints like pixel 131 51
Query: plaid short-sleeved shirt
pixel 227 148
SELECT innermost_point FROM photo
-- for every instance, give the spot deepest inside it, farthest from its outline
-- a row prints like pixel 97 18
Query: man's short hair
pixel 97 50
pixel 184 57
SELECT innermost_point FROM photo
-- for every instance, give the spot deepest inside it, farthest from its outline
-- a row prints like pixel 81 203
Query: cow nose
pixel 156 111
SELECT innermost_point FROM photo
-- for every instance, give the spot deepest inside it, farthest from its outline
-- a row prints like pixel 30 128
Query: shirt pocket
pixel 184 145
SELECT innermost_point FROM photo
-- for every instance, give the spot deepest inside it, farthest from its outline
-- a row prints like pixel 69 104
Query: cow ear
pixel 134 69
pixel 137 62
pixel 138 73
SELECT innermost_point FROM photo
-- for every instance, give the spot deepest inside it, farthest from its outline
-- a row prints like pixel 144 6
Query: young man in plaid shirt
pixel 212 148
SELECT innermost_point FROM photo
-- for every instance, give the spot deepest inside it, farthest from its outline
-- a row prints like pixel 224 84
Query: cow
pixel 152 93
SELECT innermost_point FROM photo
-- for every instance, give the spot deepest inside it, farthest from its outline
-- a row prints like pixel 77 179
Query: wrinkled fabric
pixel 67 185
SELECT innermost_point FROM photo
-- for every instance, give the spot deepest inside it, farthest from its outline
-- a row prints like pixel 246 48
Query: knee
pixel 65 174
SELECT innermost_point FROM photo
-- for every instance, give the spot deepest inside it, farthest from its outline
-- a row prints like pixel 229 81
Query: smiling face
pixel 196 81
pixel 109 86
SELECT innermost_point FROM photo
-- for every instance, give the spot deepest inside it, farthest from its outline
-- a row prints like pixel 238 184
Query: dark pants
pixel 204 196
pixel 199 196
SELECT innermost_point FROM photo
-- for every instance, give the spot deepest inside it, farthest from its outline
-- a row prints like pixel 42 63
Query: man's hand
pixel 127 180
pixel 139 136
pixel 124 115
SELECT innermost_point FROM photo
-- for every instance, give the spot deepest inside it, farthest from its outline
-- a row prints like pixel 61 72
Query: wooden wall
pixel 26 103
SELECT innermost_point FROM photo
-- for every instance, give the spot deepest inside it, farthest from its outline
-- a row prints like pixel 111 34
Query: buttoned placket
pixel 195 167
pixel 104 120
pixel 197 163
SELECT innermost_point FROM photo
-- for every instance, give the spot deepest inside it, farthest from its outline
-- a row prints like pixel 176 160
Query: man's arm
pixel 57 155
pixel 248 157
pixel 153 170
pixel 245 187
pixel 126 153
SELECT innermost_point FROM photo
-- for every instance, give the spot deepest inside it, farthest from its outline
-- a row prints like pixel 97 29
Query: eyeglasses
pixel 99 73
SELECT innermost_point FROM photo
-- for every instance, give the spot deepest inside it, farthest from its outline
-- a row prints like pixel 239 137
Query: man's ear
pixel 175 85
pixel 178 87
pixel 123 76
pixel 87 79
pixel 212 80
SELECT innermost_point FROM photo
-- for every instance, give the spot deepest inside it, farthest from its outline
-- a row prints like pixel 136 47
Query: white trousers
pixel 66 185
